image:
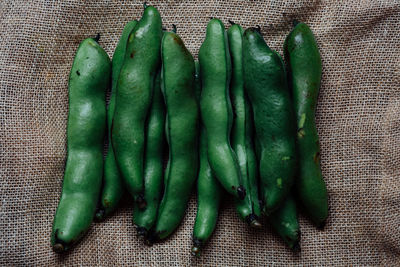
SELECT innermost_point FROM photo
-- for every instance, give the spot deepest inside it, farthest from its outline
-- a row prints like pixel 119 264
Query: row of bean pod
pixel 235 121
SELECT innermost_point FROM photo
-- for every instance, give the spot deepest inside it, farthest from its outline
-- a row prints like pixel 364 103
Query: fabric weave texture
pixel 358 120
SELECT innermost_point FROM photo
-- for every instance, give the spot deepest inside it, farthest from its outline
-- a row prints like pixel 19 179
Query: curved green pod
pixel 304 61
pixel 112 188
pixel 133 100
pixel 88 83
pixel 285 224
pixel 242 132
pixel 178 73
pixel 144 219
pixel 209 191
pixel 266 86
pixel 216 109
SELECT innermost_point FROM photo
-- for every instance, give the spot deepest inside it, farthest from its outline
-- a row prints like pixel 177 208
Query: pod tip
pixel 321 225
pixel 173 28
pixel 231 22
pixel 295 22
pixel 145 5
pixel 296 247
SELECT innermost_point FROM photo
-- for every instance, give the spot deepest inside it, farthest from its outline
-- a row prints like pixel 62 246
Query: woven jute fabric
pixel 358 120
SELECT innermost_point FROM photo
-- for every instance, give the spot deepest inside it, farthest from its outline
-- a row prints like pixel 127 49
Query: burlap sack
pixel 358 121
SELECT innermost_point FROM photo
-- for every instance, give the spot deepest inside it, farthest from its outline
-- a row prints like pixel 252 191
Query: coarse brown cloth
pixel 358 120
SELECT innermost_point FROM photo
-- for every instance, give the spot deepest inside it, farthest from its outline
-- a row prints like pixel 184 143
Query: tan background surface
pixel 358 120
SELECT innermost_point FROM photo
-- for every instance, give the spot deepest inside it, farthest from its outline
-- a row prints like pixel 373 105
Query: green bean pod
pixel 216 109
pixel 284 222
pixel 112 188
pixel 88 83
pixel 178 73
pixel 265 83
pixel 304 61
pixel 134 94
pixel 209 191
pixel 153 169
pixel 242 132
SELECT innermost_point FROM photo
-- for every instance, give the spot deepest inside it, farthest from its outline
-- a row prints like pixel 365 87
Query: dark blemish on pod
pixel 78 73
pixel 132 55
pixel 177 40
pixel 241 192
pixel 141 202
pixel 317 157
pixel 301 133
pixel 107 203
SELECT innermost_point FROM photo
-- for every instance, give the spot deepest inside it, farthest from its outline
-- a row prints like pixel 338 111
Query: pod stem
pixel 196 248
pixel 231 22
pixel 97 38
pixel 258 28
pixel 59 245
pixel 252 220
pixel 152 238
pixel 100 213
pixel 145 5
pixel 295 22
pixel 173 28
pixel 141 231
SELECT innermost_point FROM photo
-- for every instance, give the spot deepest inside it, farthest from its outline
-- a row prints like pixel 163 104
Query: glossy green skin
pixel 216 109
pixel 209 191
pixel 265 83
pixel 284 222
pixel 242 132
pixel 153 169
pixel 113 189
pixel 134 94
pixel 304 61
pixel 178 73
pixel 88 83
